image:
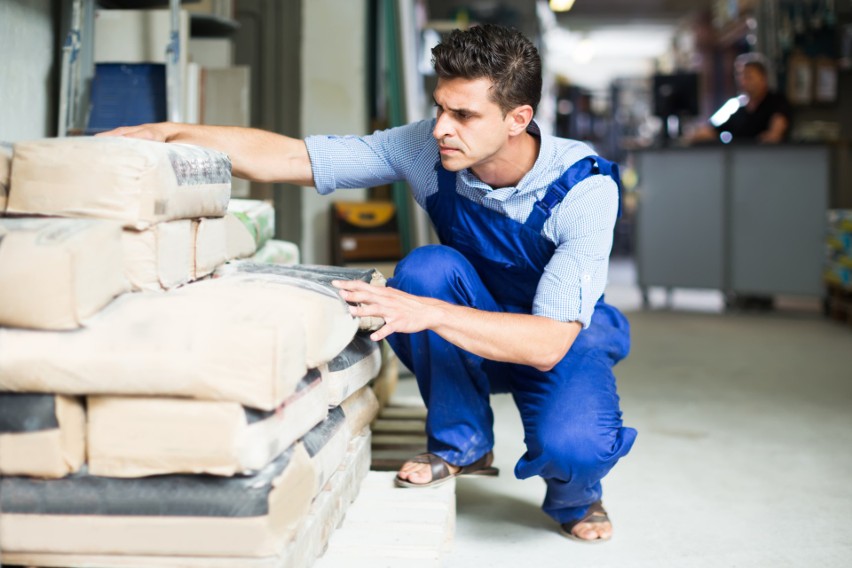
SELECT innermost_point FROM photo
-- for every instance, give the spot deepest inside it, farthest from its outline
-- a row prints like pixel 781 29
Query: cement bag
pixel 139 436
pixel 329 327
pixel 239 343
pixel 55 273
pixel 318 274
pixel 137 182
pixel 360 410
pixel 209 246
pixel 160 257
pixel 326 444
pixel 41 435
pixel 5 170
pixel 277 252
pixel 180 515
pixel 356 366
pixel 328 441
pixel 249 225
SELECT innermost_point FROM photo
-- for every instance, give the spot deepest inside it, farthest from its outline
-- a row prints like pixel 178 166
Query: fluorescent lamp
pixel 727 110
pixel 561 5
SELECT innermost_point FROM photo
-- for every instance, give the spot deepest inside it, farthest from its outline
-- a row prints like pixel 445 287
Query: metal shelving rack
pixel 80 40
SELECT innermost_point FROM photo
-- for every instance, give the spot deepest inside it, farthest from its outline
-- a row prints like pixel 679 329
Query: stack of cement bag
pixel 219 423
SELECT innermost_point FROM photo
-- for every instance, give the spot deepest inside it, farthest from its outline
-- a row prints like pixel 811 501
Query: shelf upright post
pixel 70 60
pixel 173 79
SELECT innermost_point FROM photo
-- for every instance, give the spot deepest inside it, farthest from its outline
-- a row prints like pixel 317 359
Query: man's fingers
pixel 366 310
pixel 381 333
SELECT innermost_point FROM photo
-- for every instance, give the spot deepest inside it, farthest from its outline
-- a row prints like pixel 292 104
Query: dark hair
pixel 758 66
pixel 500 54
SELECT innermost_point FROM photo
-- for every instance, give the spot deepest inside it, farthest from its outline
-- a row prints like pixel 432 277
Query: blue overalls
pixel 572 422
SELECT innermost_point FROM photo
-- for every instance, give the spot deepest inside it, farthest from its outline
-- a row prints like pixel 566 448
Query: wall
pixel 333 97
pixel 27 83
pixel 269 40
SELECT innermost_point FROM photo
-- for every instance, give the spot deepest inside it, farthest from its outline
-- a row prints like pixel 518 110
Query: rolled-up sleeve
pixel 383 157
pixel 575 277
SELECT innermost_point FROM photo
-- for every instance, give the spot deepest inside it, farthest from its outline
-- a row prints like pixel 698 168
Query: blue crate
pixel 125 94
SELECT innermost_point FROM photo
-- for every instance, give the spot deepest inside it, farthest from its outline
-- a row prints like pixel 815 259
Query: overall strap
pixel 577 172
pixel 446 179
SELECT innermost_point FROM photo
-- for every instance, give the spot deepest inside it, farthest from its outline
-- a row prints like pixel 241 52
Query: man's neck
pixel 508 167
pixel 755 100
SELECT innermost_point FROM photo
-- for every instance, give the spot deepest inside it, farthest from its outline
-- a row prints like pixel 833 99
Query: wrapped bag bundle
pixel 55 273
pixel 139 436
pixel 137 182
pixel 277 252
pixel 159 257
pixel 244 339
pixel 41 435
pixel 250 224
pixel 178 515
pixel 5 170
pixel 356 366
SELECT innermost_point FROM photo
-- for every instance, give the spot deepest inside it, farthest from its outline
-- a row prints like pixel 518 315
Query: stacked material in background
pixel 193 423
pixel 249 224
pixel 838 267
pixel 839 248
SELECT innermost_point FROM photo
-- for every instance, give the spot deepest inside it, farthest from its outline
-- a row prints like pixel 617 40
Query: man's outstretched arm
pixel 255 154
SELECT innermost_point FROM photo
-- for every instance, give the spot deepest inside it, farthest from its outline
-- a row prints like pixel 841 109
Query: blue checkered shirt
pixel 581 226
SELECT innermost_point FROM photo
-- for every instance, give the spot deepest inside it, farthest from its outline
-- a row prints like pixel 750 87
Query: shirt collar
pixel 525 185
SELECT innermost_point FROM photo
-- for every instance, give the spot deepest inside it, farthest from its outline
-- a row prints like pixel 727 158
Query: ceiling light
pixel 561 5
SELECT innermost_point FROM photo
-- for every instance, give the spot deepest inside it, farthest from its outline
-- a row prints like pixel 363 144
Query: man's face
pixel 470 127
pixel 753 82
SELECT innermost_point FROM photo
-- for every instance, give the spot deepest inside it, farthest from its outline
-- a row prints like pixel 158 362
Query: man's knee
pixel 582 450
pixel 429 270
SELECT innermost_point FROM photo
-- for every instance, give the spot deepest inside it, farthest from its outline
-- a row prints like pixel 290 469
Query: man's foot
pixel 429 470
pixel 594 526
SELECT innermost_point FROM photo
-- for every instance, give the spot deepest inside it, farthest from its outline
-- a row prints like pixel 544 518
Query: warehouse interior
pixel 732 261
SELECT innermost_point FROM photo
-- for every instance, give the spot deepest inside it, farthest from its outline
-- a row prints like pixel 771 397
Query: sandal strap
pixel 594 514
pixel 437 465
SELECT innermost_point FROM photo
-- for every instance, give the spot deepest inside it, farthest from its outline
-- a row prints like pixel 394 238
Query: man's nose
pixel 443 127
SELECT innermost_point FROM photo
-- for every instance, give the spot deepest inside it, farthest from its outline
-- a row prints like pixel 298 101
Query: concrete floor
pixel 744 454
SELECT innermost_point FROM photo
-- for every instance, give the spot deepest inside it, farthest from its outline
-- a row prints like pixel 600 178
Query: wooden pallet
pixel 399 433
pixel 388 527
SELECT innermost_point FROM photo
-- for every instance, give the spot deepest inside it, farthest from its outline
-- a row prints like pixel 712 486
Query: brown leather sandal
pixel 441 471
pixel 595 514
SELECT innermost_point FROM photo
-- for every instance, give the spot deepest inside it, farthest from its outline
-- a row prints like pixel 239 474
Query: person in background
pixel 764 116
pixel 512 298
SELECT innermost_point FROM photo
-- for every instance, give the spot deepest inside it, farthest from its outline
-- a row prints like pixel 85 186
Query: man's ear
pixel 519 117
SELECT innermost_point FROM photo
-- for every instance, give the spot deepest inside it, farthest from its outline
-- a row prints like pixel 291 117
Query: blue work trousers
pixel 572 423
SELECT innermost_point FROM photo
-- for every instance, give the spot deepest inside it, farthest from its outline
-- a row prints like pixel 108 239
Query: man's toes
pixel 414 473
pixel 593 531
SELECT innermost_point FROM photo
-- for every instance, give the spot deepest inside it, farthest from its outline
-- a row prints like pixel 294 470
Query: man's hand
pixel 257 155
pixel 158 132
pixel 402 312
